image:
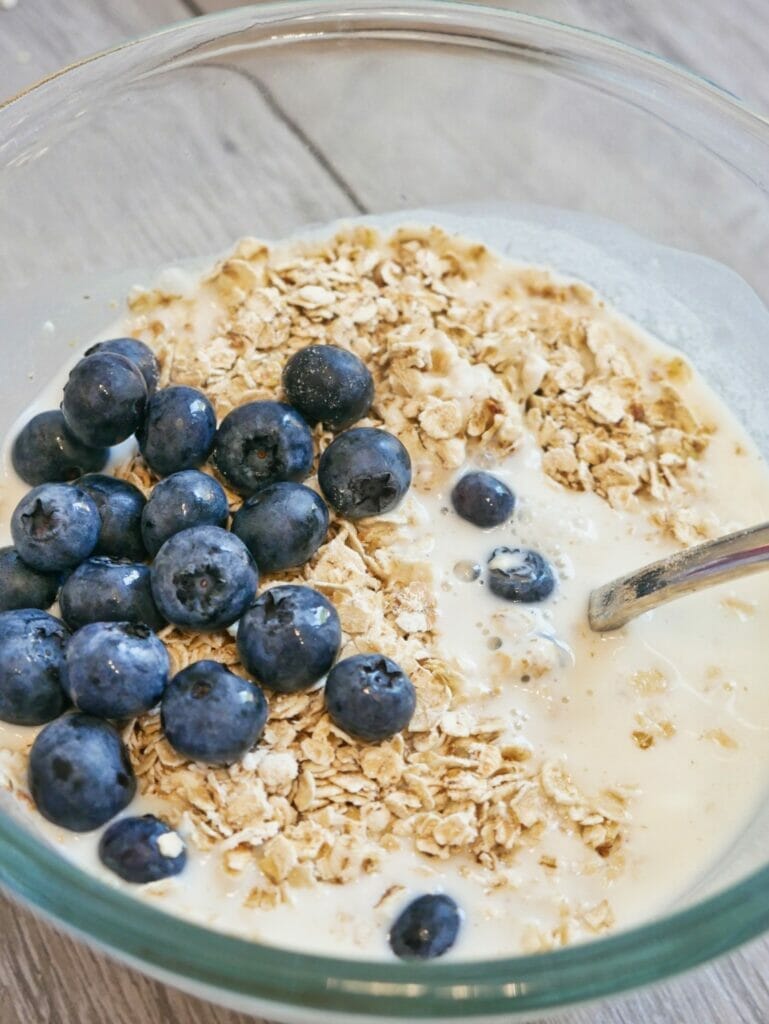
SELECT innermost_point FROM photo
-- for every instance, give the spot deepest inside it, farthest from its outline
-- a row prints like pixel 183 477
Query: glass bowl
pixel 260 121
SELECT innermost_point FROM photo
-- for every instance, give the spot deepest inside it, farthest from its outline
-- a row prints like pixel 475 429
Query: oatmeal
pixel 549 779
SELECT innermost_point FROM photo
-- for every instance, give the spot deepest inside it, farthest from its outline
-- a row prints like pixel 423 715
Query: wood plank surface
pixel 48 978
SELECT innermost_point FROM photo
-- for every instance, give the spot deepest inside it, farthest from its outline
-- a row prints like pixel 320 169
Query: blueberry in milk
pixel 203 578
pixel 142 849
pixel 115 669
pixel 120 506
pixel 482 499
pixel 210 714
pixel 79 773
pixel 55 527
pixel 519 574
pixel 364 472
pixel 105 399
pixel 427 928
pixel 282 525
pixel 178 430
pixel 261 443
pixel 33 647
pixel 328 385
pixel 109 590
pixel 136 352
pixel 46 451
pixel 370 697
pixel 21 586
pixel 181 501
pixel 289 638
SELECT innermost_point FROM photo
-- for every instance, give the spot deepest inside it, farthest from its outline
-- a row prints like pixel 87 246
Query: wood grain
pixel 48 978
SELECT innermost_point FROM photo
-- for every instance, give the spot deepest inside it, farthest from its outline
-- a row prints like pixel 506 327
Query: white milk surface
pixel 695 791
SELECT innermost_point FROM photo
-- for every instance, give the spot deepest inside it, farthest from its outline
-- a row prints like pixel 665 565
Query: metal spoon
pixel 729 558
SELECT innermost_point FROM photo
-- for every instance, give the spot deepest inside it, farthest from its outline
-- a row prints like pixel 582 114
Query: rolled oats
pixel 458 369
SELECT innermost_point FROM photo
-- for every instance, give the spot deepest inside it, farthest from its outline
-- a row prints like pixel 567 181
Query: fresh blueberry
pixel 142 850
pixel 518 574
pixel 364 472
pixel 115 669
pixel 135 352
pixel 79 773
pixel 106 590
pixel 262 443
pixel 482 499
pixel 204 578
pixel 178 431
pixel 33 645
pixel 55 526
pixel 282 525
pixel 427 928
pixel 22 586
pixel 120 506
pixel 47 452
pixel 209 714
pixel 183 500
pixel 104 400
pixel 289 638
pixel 328 385
pixel 370 697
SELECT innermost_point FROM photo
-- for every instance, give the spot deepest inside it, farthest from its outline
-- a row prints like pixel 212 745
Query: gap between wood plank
pixel 293 126
pixel 194 8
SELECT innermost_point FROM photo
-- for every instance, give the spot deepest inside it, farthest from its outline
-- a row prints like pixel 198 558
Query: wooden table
pixel 46 978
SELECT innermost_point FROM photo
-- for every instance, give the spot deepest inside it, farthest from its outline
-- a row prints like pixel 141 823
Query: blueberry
pixel 328 385
pixel 282 525
pixel 482 499
pixel 209 714
pixel 262 443
pixel 178 431
pixel 33 645
pixel 55 526
pixel 204 578
pixel 115 669
pixel 364 472
pixel 289 638
pixel 518 574
pixel 120 506
pixel 22 586
pixel 142 850
pixel 185 499
pixel 106 590
pixel 104 400
pixel 135 352
pixel 370 697
pixel 46 451
pixel 79 774
pixel 427 928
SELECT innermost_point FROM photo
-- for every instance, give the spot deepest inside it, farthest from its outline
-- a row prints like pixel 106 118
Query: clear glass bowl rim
pixel 240 970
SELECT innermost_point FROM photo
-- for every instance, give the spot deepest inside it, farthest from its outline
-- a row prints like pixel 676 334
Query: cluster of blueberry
pixel 88 538
pixel 515 574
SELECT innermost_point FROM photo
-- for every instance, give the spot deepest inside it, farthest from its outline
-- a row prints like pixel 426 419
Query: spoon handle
pixel 728 558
